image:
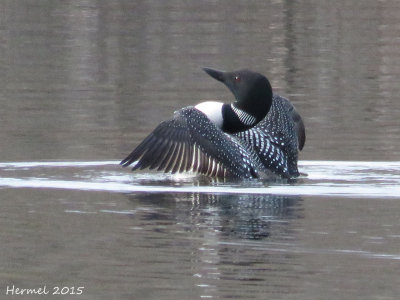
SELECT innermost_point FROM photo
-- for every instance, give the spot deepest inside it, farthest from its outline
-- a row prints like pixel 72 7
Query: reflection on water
pixel 227 235
pixel 150 235
pixel 252 217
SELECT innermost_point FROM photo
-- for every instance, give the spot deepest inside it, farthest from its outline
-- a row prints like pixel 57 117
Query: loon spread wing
pixel 299 127
pixel 270 154
pixel 191 142
pixel 278 137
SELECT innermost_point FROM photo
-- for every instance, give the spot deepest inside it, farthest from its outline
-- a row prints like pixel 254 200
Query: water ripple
pixel 327 178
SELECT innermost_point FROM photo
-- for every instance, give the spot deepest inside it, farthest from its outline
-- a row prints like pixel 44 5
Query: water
pixel 151 235
pixel 82 82
pixel 320 178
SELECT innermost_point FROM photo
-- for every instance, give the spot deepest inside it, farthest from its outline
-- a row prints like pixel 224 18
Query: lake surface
pixel 83 82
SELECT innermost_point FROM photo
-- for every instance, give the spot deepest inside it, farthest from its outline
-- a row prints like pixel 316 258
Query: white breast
pixel 213 110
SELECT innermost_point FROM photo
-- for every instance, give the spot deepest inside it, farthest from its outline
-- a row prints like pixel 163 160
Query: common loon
pixel 259 135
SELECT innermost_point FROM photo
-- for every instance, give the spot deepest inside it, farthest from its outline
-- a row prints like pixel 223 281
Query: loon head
pixel 253 95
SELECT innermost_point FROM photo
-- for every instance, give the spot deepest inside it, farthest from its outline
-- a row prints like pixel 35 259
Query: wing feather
pixel 173 159
pixel 184 163
pixel 160 154
pixel 148 157
pixel 178 160
pixel 195 163
pixel 300 129
pixel 191 142
pixel 167 158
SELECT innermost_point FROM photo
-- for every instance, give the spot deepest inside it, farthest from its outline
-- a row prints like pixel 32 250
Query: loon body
pixel 257 136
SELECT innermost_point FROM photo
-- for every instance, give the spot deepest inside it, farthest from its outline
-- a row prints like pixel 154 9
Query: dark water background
pixel 87 80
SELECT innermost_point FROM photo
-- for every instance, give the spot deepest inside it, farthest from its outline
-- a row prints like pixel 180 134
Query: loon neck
pixel 256 105
pixel 242 115
pixel 236 120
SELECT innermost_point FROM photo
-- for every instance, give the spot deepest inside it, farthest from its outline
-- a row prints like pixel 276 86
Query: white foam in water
pixel 325 178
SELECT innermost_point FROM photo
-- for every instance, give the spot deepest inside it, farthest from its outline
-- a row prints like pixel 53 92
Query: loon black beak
pixel 218 75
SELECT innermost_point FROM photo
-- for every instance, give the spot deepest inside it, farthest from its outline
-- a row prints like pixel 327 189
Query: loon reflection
pixel 242 216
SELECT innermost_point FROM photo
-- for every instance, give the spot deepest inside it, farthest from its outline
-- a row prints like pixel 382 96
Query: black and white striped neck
pixel 244 117
pixel 236 120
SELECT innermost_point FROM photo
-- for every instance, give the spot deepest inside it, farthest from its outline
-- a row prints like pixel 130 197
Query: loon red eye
pixel 237 78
